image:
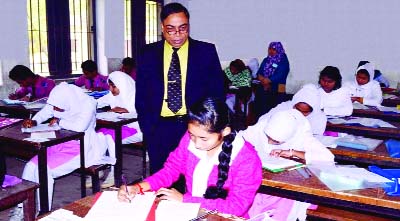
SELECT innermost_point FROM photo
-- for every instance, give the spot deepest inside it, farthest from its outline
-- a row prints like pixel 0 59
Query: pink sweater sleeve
pixel 244 179
pixel 173 167
pixel 80 81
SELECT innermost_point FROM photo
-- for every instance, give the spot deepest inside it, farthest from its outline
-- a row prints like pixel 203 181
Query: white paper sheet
pixel 359 106
pixel 107 208
pixel 368 122
pixel 112 116
pixel 61 215
pixel 276 164
pixel 41 128
pixel 176 211
pixel 388 109
pixel 46 135
pixel 327 141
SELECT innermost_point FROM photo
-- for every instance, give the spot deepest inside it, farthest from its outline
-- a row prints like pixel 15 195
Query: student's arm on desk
pixel 245 176
pixel 44 114
pixel 315 151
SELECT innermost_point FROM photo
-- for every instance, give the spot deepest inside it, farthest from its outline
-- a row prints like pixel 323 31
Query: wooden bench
pixel 93 172
pixel 329 213
pixel 23 192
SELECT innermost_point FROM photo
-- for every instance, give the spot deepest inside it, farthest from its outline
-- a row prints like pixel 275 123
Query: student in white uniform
pixel 363 89
pixel 287 134
pixel 335 99
pixel 308 101
pixel 72 110
pixel 121 99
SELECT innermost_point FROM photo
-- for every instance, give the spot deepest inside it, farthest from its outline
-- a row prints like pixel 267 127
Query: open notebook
pixel 277 164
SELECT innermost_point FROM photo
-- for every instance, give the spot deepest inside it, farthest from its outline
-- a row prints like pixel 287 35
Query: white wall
pixel 13 41
pixel 315 33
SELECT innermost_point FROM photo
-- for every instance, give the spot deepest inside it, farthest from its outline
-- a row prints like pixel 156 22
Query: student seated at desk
pixel 307 100
pixel 129 67
pixel 32 86
pixel 239 76
pixel 364 90
pixel 284 134
pixel 72 110
pixel 222 171
pixel 335 99
pixel 122 100
pixel 91 79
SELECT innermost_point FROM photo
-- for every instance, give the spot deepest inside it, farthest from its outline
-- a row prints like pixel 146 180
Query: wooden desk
pixel 379 156
pixel 392 102
pixel 117 127
pixel 23 192
pixel 377 114
pixel 12 141
pixel 291 184
pixel 380 133
pixel 82 206
pixel 18 111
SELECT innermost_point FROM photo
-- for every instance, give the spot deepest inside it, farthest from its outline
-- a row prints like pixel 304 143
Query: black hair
pixel 110 82
pixel 128 61
pixel 238 64
pixel 173 8
pixel 214 114
pixel 332 73
pixel 361 63
pixel 89 65
pixel 20 73
pixel 364 71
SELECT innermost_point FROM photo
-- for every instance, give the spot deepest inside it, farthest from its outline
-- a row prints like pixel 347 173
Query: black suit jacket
pixel 204 79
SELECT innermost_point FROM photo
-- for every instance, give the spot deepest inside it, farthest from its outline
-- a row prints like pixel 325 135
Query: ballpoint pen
pixel 126 186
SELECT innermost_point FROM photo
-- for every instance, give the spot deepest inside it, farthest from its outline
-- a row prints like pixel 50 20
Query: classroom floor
pixel 67 188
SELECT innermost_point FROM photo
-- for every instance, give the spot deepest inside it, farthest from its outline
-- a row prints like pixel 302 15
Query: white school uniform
pixel 337 102
pixel 125 99
pixel 290 127
pixel 371 92
pixel 307 94
pixel 79 115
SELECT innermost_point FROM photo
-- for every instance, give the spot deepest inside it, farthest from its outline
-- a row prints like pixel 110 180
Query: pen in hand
pixel 126 186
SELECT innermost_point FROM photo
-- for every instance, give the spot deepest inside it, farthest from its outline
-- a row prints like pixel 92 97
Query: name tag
pixel 274 65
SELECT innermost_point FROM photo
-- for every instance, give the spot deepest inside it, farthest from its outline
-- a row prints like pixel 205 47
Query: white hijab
pixel 370 68
pixel 282 125
pixel 127 91
pixel 75 103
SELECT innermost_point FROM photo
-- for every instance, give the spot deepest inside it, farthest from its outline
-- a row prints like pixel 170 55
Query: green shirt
pixel 241 79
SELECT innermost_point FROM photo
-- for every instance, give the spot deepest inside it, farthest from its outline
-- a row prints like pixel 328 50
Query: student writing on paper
pixel 284 134
pixel 335 99
pixel 308 101
pixel 91 79
pixel 222 171
pixel 73 110
pixel 32 86
pixel 121 100
pixel 363 89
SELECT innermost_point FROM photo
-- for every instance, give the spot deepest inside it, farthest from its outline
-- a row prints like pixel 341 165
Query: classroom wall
pixel 315 33
pixel 13 41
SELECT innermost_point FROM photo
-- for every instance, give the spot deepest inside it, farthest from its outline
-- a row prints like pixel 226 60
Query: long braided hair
pixel 214 114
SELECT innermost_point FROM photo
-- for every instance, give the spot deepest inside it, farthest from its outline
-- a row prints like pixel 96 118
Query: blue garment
pixel 280 74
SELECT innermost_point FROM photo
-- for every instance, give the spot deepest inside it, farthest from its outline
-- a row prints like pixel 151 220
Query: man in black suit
pixel 172 75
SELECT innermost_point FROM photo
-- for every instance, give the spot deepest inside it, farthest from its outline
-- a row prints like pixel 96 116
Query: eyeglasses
pixel 183 29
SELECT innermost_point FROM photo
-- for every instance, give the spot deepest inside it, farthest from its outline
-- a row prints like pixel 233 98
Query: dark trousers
pixel 163 140
pixel 264 101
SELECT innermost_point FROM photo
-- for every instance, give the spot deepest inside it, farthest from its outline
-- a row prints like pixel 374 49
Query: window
pixel 60 36
pixel 153 29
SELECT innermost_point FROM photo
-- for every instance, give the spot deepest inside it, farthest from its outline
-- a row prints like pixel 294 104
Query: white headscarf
pixel 74 102
pixel 371 69
pixel 253 65
pixel 308 94
pixel 282 125
pixel 127 91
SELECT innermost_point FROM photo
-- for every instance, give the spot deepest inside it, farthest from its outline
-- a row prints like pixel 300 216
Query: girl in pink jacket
pixel 222 170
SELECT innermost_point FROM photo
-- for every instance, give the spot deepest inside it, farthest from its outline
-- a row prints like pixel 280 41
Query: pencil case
pixel 392 188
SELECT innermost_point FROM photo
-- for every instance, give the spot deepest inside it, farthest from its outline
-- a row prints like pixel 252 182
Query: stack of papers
pixel 358 142
pixel 177 211
pixel 359 106
pixel 112 116
pixel 107 207
pixel 388 109
pixel 13 102
pixel 277 164
pixel 367 122
pixel 41 128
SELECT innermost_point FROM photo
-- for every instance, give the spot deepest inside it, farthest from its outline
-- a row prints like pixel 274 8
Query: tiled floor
pixel 67 188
